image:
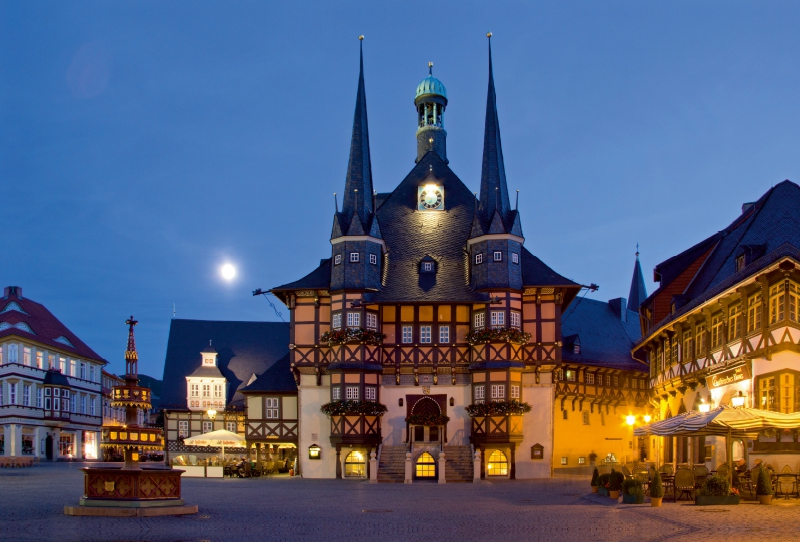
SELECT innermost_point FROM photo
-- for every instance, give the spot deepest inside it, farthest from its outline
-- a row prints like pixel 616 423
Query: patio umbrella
pixel 220 437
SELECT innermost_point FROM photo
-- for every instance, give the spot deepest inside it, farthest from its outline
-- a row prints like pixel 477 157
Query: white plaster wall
pixel 538 428
pixel 310 398
pixel 393 424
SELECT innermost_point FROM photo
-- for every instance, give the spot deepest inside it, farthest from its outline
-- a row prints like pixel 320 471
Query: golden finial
pixel 361 37
pixel 488 34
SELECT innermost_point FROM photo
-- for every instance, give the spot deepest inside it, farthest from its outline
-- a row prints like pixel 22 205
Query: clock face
pixel 430 197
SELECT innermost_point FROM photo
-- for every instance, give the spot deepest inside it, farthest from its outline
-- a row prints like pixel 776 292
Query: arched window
pixel 426 466
pixel 498 464
pixel 354 464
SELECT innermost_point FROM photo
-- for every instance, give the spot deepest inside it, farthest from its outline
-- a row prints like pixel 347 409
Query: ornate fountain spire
pixel 131 356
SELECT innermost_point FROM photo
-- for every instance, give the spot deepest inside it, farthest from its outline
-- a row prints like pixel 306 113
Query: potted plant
pixel 595 476
pixel 602 484
pixel 715 491
pixel 632 492
pixel 615 484
pixel 656 490
pixel 764 487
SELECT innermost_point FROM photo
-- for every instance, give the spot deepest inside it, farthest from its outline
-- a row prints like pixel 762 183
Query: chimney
pixel 12 290
pixel 620 308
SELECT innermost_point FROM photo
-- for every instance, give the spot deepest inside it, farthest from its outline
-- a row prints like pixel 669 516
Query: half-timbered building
pixel 723 328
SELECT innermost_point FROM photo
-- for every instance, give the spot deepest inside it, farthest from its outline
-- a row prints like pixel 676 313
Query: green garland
pixel 430 420
pixel 498 408
pixel 352 335
pixel 502 335
pixel 364 408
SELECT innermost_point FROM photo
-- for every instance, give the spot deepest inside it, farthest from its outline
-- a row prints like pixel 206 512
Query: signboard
pixel 731 376
pixel 537 451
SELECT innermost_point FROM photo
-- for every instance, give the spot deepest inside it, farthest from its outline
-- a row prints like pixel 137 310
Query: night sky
pixel 144 144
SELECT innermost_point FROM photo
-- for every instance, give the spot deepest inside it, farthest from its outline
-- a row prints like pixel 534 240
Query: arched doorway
pixel 426 466
pixel 426 407
pixel 354 465
pixel 498 464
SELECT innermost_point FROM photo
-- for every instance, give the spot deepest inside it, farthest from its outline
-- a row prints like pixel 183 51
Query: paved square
pixel 297 509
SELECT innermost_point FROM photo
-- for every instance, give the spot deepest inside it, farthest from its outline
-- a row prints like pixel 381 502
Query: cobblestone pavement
pixel 32 504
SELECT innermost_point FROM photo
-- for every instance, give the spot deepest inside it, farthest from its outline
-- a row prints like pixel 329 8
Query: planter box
pixel 632 499
pixel 716 500
pixel 602 491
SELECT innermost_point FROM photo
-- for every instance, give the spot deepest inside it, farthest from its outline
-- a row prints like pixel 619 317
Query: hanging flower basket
pixel 489 335
pixel 498 408
pixel 352 335
pixel 354 408
pixel 429 420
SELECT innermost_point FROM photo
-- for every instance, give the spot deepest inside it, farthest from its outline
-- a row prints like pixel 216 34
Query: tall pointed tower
pixel 356 237
pixel 638 291
pixel 496 240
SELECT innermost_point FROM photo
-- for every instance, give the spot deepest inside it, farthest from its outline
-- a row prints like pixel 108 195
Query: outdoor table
pixel 777 483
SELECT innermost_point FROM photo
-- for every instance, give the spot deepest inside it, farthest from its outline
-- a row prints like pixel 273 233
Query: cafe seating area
pixel 18 462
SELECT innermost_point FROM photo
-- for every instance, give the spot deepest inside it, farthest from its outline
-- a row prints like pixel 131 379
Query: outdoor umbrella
pixel 220 437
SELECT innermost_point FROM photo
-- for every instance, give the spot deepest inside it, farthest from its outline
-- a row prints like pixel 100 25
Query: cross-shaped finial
pixel 430 68
pixel 131 322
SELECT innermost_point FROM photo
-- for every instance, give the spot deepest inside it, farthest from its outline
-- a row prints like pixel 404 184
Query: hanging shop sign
pixel 731 376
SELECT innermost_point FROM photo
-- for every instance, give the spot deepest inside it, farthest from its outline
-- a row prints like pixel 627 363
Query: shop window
pixel 354 464
pixel 426 466
pixel 498 464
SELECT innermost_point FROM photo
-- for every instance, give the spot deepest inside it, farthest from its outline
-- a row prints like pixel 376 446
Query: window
pixel 195 390
pixel 354 464
pixel 206 390
pixel 767 394
pixel 734 322
pixel 498 391
pixel 425 334
pixel 26 395
pixel 51 361
pixel 739 262
pixel 217 391
pixel 337 321
pixel 479 394
pixel 91 373
pixel 571 375
pixel 514 391
pixel 581 461
pixel 183 428
pixel 563 460
pixel 38 398
pixel 608 380
pixel 480 320
pixel 701 339
pixel 427 267
pixel 372 320
pixel 208 426
pixel 83 404
pixel 12 394
pixel 426 466
pixel 753 313
pixel 674 343
pixel 407 334
pixel 590 378
pixel 444 334
pixel 793 302
pixel 337 259
pixel 585 416
pixel 688 346
pixel 337 394
pixel 351 393
pixel 83 371
pixel 498 464
pixel 564 414
pixel 231 426
pixel 62 365
pixel 354 257
pixel 26 356
pixel 498 256
pixel 91 406
pixel 353 319
pixel 39 360
pixel 478 259
pixel 13 353
pixel 514 257
pixel 373 259
pixel 271 407
pixel 498 318
pixel 616 381
pixel 641 384
pixel 716 331
pixel 515 319
pixel 776 303
pixel 370 393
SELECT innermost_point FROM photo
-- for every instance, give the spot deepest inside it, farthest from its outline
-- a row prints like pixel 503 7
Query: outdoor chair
pixel 684 483
pixel 722 470
pixel 642 475
pixel 666 469
pixel 786 479
pixel 700 475
pixel 626 472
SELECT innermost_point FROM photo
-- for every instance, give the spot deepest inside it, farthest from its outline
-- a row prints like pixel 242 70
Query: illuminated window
pixel 776 303
pixel 208 427
pixel 571 375
pixel 585 416
pixel 581 461
pixel 688 346
pixel 444 334
pixel 426 466
pixel 351 393
pixel 590 378
pixel 26 356
pixel 354 257
pixel 337 259
pixel 373 259
pixel 39 360
pixel 716 331
pixel 794 306
pixel 407 334
pixel 498 318
pixel 372 320
pixel 354 464
pixel 701 339
pixel 498 464
pixel 337 321
pixel 753 312
pixel 514 391
pixel 480 320
pixel 768 394
pixel 498 256
pixel 498 392
pixel 183 428
pixel 480 394
pixel 370 393
pixel 563 460
pixel 674 344
pixel 514 257
pixel 478 258
pixel 425 334
pixel 608 380
pixel 427 267
pixel 515 319
pixel 734 322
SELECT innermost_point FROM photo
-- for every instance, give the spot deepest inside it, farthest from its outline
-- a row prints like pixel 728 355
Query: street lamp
pixel 630 419
pixel 647 418
pixel 704 407
pixel 738 400
pixel 211 413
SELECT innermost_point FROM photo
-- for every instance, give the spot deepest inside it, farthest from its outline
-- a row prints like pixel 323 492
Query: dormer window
pixel 498 256
pixel 478 259
pixel 354 257
pixel 373 259
pixel 427 267
pixel 514 257
pixel 576 349
pixel 739 262
pixel 337 259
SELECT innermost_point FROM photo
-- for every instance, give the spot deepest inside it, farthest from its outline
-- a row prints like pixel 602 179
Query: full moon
pixel 228 271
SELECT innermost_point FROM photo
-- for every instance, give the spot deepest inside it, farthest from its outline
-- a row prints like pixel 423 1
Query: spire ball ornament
pixel 361 37
pixel 489 35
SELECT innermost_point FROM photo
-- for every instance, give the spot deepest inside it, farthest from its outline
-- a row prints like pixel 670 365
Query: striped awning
pixel 720 421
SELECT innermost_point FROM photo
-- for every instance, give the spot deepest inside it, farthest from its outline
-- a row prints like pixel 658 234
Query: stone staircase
pixel 458 464
pixel 392 466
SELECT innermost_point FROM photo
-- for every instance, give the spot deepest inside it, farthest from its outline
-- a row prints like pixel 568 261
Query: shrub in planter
pixel 716 490
pixel 602 484
pixel 595 476
pixel 656 490
pixel 632 492
pixel 615 484
pixel 764 486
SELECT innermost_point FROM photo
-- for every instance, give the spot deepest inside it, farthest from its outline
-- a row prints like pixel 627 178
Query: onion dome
pixel 431 85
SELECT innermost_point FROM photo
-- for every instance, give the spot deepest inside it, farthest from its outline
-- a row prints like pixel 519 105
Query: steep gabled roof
pixel 32 321
pixel 244 348
pixel 536 273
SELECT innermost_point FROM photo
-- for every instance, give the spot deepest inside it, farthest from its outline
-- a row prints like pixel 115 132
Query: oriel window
pixel 479 394
pixel 480 320
pixel 353 319
pixel 498 318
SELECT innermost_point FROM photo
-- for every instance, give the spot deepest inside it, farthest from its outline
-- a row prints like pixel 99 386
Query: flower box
pixel 716 500
pixel 632 499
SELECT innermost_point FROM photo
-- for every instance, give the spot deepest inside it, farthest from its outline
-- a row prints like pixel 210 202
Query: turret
pixel 638 291
pixel 431 101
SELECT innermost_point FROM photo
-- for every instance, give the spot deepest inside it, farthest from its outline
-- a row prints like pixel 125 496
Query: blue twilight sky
pixel 144 144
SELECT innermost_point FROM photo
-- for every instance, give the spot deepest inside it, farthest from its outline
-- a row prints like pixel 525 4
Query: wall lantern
pixel 314 451
pixel 452 401
pixel 630 419
pixel 211 413
pixel 738 400
pixel 647 418
pixel 704 407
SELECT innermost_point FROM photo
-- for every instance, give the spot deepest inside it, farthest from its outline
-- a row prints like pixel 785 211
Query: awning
pixel 724 420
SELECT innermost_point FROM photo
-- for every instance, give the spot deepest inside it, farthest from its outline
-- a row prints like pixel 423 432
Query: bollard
pixel 408 468
pixel 476 467
pixel 442 478
pixel 373 468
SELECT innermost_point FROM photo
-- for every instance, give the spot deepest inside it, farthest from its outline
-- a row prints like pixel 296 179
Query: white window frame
pixel 26 395
pixel 217 391
pixel 12 393
pixel 514 391
pixel 425 334
pixel 373 259
pixel 183 428
pixel 337 320
pixel 354 257
pixel 38 398
pixel 497 256
pixel 26 356
pixel 590 378
pixel 83 371
pixel 208 426
pixel 444 334
pixel 206 391
pixel 514 257
pixel 516 319
pixel 337 259
pixel 83 404
pixel 231 426
pixel 351 393
pixel 427 267
pixel 372 320
pixel 498 318
pixel 370 393
pixel 479 320
pixel 353 319
pixel 407 334
pixel 39 360
pixel 272 408
pixel 480 393
pixel 336 393
pixel 498 391
pixel 91 406
pixel 194 390
pixel 479 258
pixel 13 353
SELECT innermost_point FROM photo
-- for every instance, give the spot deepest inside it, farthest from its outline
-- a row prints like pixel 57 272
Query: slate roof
pixel 19 314
pixel 277 378
pixel 318 279
pixel 244 348
pixel 53 377
pixel 605 340
pixel 772 224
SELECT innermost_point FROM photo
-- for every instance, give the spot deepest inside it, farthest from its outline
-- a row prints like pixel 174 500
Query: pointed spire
pixel 131 356
pixel 494 192
pixel 359 168
pixel 638 291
